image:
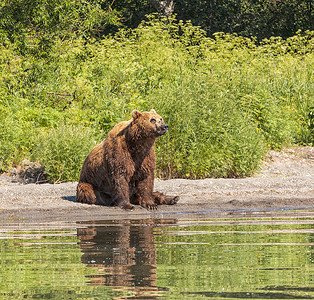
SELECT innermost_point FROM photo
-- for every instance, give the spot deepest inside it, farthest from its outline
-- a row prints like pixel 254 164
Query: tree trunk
pixel 165 7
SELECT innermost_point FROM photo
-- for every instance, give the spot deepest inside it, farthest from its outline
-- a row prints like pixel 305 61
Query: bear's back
pixel 119 129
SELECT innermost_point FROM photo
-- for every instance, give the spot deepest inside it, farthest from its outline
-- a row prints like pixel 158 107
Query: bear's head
pixel 150 124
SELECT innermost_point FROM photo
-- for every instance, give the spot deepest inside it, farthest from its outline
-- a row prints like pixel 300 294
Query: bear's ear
pixel 136 114
pixel 153 111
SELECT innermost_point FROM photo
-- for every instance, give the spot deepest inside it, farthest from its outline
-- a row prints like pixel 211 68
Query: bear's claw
pixel 150 206
pixel 153 207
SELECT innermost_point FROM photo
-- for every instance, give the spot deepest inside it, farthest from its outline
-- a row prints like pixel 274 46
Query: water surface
pixel 161 259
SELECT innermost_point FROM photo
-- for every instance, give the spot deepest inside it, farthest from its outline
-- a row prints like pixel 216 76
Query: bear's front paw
pixel 150 205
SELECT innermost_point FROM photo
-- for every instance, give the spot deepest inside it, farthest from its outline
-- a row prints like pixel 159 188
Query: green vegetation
pixel 227 99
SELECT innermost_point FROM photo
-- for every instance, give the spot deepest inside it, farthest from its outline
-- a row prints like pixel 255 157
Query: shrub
pixel 62 151
pixel 16 138
pixel 208 136
pixel 227 99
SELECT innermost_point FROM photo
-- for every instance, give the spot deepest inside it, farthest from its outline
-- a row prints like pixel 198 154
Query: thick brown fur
pixel 120 170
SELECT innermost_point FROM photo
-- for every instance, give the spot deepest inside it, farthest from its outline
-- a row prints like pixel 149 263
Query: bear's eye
pixel 153 120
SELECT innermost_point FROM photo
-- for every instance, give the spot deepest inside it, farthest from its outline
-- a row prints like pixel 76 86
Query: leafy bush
pixel 34 26
pixel 16 137
pixel 227 99
pixel 208 137
pixel 62 151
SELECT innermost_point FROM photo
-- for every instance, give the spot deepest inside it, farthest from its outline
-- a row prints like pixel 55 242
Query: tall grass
pixel 227 100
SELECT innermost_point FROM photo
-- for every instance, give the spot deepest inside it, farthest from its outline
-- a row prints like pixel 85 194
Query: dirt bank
pixel 285 183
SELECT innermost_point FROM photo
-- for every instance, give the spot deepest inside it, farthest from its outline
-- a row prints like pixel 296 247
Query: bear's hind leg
pixel 161 198
pixel 85 193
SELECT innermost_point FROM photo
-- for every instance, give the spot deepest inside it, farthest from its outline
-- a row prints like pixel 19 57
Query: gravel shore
pixel 284 184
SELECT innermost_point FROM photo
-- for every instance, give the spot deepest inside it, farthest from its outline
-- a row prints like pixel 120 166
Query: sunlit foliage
pixel 226 99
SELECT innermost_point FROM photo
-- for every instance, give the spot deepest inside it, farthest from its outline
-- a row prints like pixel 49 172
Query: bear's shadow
pixel 69 198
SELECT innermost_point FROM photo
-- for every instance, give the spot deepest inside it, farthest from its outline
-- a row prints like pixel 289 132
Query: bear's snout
pixel 163 128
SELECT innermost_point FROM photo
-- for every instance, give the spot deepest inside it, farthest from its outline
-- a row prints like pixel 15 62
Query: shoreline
pixel 284 187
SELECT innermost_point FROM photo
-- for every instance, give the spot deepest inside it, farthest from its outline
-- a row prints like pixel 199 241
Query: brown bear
pixel 120 170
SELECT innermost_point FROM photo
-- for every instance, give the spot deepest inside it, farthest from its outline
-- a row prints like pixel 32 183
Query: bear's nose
pixel 164 127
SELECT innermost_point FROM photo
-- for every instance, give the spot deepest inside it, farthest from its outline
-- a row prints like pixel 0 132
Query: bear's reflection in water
pixel 123 253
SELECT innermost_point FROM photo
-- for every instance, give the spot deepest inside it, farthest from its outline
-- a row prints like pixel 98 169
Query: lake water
pixel 161 259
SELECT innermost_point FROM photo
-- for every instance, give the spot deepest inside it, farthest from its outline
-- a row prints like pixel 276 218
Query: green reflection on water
pixel 237 261
pixel 160 259
pixel 45 265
